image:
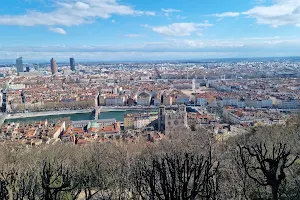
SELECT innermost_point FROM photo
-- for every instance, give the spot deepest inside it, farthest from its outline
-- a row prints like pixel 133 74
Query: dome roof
pixel 93 125
pixel 144 95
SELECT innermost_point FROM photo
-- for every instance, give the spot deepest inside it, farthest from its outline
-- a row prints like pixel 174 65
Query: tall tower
pixel 19 65
pixel 53 66
pixel 183 114
pixel 194 85
pixel 161 118
pixel 36 67
pixel 72 64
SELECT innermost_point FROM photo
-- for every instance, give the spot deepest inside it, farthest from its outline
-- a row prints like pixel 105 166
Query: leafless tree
pixel 56 179
pixel 267 167
pixel 6 177
pixel 179 176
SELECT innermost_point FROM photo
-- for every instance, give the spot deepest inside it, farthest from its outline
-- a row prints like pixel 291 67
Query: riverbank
pixel 47 113
pixel 118 115
pixel 3 117
pixel 69 112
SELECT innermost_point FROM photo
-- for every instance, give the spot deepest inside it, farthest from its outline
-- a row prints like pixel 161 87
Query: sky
pixel 116 30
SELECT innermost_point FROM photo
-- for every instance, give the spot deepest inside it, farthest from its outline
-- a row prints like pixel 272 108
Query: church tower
pixel 161 118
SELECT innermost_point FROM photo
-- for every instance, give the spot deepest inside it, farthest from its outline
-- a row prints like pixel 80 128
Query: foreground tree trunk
pixel 266 167
pixel 55 180
pixel 177 177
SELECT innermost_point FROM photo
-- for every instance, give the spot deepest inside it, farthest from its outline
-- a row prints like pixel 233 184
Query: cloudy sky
pixel 107 30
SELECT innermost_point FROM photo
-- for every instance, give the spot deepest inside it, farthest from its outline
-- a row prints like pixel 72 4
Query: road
pixel 47 113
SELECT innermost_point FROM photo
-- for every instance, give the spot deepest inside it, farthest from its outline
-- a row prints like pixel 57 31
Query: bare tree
pixel 56 179
pixel 267 167
pixel 177 176
pixel 5 180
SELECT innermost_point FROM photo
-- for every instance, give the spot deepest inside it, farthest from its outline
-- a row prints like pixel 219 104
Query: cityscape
pixel 130 100
pixel 149 100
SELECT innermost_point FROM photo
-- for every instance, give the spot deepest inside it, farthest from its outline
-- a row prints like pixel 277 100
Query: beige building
pixel 139 120
pixel 167 100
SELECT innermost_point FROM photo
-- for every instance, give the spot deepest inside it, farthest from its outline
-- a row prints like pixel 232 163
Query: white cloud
pixel 149 13
pixel 81 6
pixel 168 12
pixel 179 17
pixel 58 30
pixel 116 56
pixel 179 29
pixel 262 38
pixel 280 13
pixel 259 1
pixel 133 35
pixel 171 48
pixel 69 13
pixel 169 44
pixel 227 14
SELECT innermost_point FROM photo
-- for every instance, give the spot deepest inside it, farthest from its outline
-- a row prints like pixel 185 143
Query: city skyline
pixel 164 30
pixel 66 61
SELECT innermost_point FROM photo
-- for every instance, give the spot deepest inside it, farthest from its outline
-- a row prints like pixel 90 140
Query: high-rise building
pixel 27 69
pixel 194 85
pixel 72 64
pixel 53 66
pixel 36 67
pixel 19 65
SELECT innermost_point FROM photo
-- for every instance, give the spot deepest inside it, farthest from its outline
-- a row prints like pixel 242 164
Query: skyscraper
pixel 72 64
pixel 19 65
pixel 36 67
pixel 53 66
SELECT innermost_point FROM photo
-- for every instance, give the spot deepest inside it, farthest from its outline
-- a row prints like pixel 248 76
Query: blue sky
pixel 148 29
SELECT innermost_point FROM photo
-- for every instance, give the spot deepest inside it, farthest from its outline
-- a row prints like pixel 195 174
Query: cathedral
pixel 172 120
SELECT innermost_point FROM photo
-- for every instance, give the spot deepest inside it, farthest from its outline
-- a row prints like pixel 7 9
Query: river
pixel 118 115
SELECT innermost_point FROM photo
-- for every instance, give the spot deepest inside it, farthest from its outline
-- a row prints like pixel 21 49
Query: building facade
pixel 72 64
pixel 139 120
pixel 172 121
pixel 54 69
pixel 144 99
pixel 115 101
pixel 19 65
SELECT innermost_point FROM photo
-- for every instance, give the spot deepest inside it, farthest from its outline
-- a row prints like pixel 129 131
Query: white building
pixel 141 122
pixel 201 101
pixel 240 104
pixel 144 99
pixel 266 103
pixel 115 101
pixel 253 103
pixel 287 104
pixel 182 99
pixel 229 102
pixel 17 86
